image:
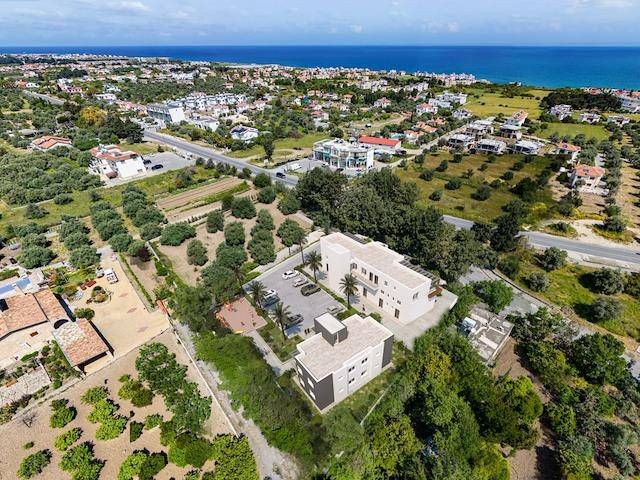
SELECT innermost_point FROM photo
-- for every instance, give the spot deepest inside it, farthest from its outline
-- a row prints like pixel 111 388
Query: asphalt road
pixel 590 252
pixel 47 98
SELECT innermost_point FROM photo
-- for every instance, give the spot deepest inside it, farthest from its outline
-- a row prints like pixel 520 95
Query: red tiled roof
pixel 112 153
pixel 589 171
pixel 568 146
pixel 79 341
pixel 48 141
pixel 387 142
pixel 25 311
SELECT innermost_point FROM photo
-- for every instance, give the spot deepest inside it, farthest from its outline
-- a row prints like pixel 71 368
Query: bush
pixel 509 265
pixel 141 465
pixel 615 224
pixel 121 242
pixel 427 174
pixel 495 293
pixel 262 180
pixel 87 313
pixel 84 256
pixel 135 391
pixel 605 309
pixel 215 221
pixel 482 193
pixel 508 175
pixel 35 211
pixel 608 281
pixel 243 208
pixel 93 395
pixel 66 439
pixel 150 231
pixel 152 421
pixel 111 428
pixel 196 253
pixel 176 233
pixel 267 195
pixel 537 281
pixel 188 449
pixel 289 203
pixel 552 259
pixel 261 247
pixel 33 464
pixel 135 431
pixel 62 414
pixel 436 195
pixel 80 462
pixel 264 221
pixel 453 184
pixel 33 257
pixel 234 234
pixel 63 199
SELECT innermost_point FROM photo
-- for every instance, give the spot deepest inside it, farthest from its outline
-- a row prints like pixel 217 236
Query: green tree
pixel 605 309
pixel 505 237
pixel 314 262
pixel 267 195
pixel 215 221
pixel 34 464
pixel 495 293
pixel 257 292
pixel 242 207
pixel 349 286
pixel 289 203
pixel 608 281
pixel 552 259
pixel 196 253
pixel 234 234
pixel 68 438
pixel 193 305
pixel 281 315
pixel 598 358
pixel 84 256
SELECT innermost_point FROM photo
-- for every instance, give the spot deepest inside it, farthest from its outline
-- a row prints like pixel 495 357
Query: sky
pixel 318 22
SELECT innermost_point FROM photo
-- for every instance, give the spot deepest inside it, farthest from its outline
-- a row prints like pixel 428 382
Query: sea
pixel 559 66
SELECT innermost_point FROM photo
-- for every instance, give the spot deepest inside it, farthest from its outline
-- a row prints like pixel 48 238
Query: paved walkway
pixel 278 366
pixel 271 461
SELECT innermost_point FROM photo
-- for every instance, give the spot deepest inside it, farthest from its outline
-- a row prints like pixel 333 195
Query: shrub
pixel 121 242
pixel 62 413
pixel 94 395
pixel 265 220
pixel 605 309
pixel 66 439
pixel 135 391
pixel 189 449
pixel 243 208
pixel 28 446
pixel 436 195
pixel 289 203
pixel 150 231
pixel 196 253
pixel 152 421
pixel 215 221
pixel 453 184
pixel 176 233
pixel 87 313
pixel 80 462
pixel 111 428
pixel 35 256
pixel 267 195
pixel 33 464
pixel 102 410
pixel 35 211
pixel 63 199
pixel 262 180
pixel 615 224
pixel 84 256
pixel 495 293
pixel 427 174
pixel 552 259
pixel 234 234
pixel 482 193
pixel 608 281
pixel 444 164
pixel 135 431
pixel 509 265
pixel 261 247
pixel 141 465
pixel 508 175
pixel 538 281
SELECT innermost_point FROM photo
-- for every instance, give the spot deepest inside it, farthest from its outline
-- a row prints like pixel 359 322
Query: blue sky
pixel 318 22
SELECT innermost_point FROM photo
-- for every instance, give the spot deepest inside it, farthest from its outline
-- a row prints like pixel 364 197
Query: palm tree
pixel 349 286
pixel 314 261
pixel 301 240
pixel 257 292
pixel 238 274
pixel 281 314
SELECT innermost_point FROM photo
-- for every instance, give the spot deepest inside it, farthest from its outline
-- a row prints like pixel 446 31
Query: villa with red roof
pixel 569 150
pixel 49 142
pixel 587 178
pixel 387 144
pixel 112 161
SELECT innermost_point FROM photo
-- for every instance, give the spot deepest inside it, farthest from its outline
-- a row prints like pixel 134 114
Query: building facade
pixel 342 357
pixel 387 282
pixel 111 161
pixel 166 113
pixel 342 154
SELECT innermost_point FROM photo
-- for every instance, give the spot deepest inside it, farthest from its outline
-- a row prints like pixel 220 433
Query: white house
pixel 619 120
pixel 112 161
pixel 489 145
pixel 342 357
pixel 569 150
pixel 460 140
pixel 166 113
pixel 244 133
pixel 479 129
pixel 630 104
pixel 589 117
pixel 387 282
pixel 561 111
pixel 382 103
pixel 526 147
pixel 424 108
pixel 339 153
pixel 517 119
pixel 587 178
pixel 510 131
pixel 457 98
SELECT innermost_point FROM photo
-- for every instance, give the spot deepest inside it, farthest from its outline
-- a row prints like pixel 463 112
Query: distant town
pixel 216 271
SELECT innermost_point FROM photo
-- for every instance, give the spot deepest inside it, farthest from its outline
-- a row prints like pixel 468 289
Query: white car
pixel 270 292
pixel 289 274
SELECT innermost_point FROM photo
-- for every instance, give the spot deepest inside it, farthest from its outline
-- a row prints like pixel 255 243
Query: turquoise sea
pixel 617 67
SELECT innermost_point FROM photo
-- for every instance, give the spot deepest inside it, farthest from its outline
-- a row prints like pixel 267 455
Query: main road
pixel 589 252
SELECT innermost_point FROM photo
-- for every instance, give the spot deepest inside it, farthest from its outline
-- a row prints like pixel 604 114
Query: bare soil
pixel 182 199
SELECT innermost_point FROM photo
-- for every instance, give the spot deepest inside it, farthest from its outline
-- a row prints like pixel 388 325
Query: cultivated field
pixel 15 434
pixel 197 194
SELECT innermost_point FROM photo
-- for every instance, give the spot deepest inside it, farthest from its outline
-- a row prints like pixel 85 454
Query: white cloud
pixel 453 27
pixel 356 28
pixel 134 6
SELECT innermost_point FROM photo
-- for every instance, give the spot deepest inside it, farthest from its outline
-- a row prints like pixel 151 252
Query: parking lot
pixel 168 160
pixel 309 307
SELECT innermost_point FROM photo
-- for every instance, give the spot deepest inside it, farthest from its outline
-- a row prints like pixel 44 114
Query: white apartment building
pixel 630 104
pixel 459 98
pixel 561 111
pixel 166 113
pixel 388 283
pixel 111 161
pixel 342 154
pixel 244 133
pixel 460 140
pixel 342 357
pixel 479 129
pixel 489 145
pixel 526 147
pixel 589 117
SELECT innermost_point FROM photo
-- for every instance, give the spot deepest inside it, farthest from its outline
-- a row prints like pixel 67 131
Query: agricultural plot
pixel 191 197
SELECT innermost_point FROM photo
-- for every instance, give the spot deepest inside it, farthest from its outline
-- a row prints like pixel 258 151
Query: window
pixel 364 292
pixel 362 374
pixel 399 302
pixel 386 283
pixel 415 295
pixel 351 381
pixel 364 271
pixel 364 360
pixel 371 276
pixel 397 313
pixel 312 395
pixel 354 266
pixel 380 302
pixel 351 369
pixel 375 279
pixel 327 267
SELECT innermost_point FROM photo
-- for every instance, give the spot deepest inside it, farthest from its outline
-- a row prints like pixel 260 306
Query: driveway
pixel 309 307
pixel 168 160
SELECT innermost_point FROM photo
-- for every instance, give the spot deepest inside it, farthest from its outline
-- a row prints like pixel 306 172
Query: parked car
pixel 309 289
pixel 289 274
pixel 157 167
pixel 270 292
pixel 296 319
pixel 146 161
pixel 300 281
pixel 270 300
pixel 280 175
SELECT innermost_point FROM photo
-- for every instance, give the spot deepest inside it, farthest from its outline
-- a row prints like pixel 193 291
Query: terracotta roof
pixel 568 146
pixel 47 142
pixel 387 142
pixel 588 171
pixel 23 311
pixel 79 341
pixel 113 153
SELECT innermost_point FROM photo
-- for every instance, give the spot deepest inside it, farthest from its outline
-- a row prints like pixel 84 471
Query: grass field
pixel 284 147
pixel 492 104
pixel 569 288
pixel 573 129
pixel 459 202
pixel 144 148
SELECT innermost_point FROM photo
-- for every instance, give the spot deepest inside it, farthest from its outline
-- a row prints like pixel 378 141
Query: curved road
pixel 627 257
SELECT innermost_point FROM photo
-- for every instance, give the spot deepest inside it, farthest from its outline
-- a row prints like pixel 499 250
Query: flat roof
pixel 330 323
pixel 381 258
pixel 320 358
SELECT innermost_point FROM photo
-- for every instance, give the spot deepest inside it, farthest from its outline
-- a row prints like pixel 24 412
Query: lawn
pixel 459 202
pixel 284 147
pixel 492 104
pixel 284 348
pixel 573 129
pixel 569 289
pixel 144 148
